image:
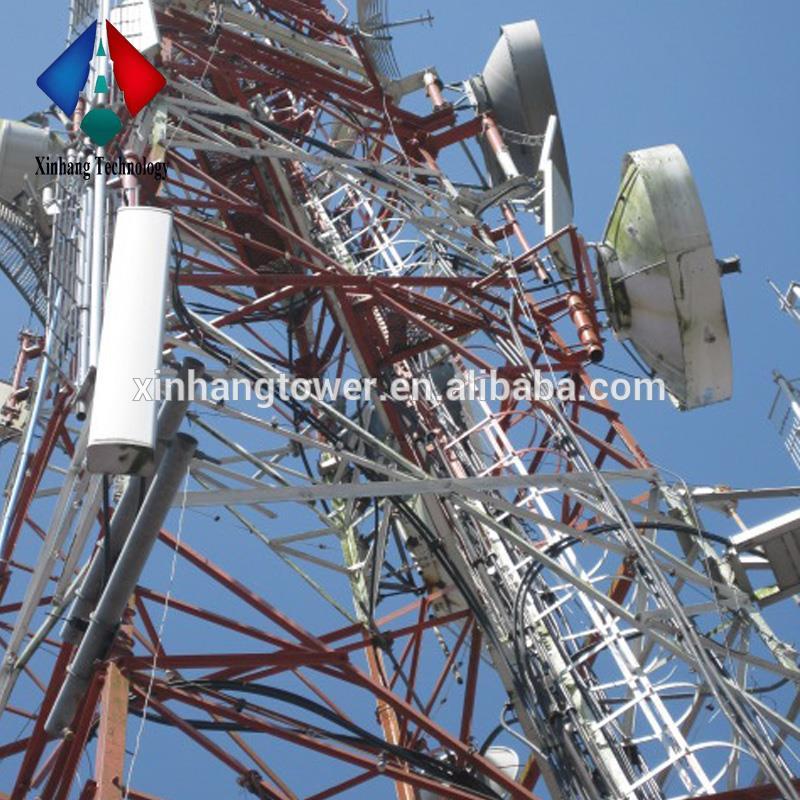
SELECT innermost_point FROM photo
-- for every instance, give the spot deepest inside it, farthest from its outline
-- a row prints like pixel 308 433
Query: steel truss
pixel 518 557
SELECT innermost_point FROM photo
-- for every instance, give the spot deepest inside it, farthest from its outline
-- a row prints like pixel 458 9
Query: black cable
pixel 429 536
pixel 107 565
pixel 536 566
pixel 489 740
pixel 375 567
pixel 358 735
pixel 418 524
pixel 237 727
pixel 524 664
pixel 676 527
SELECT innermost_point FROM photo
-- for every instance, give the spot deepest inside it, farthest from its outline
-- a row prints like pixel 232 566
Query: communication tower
pixel 422 593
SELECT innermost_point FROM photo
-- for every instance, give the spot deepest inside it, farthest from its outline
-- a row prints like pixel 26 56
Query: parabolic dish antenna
pixel 515 86
pixel 661 280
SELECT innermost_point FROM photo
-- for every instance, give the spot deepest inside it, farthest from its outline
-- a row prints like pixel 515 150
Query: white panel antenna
pixel 122 434
pixel 136 20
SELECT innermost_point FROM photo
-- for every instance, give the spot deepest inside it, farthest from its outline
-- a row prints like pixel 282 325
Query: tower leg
pixel 109 770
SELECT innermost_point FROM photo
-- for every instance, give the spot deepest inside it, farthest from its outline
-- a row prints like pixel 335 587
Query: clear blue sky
pixel 717 77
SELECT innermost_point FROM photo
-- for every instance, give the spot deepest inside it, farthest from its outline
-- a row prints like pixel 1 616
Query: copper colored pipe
pixel 433 87
pixel 130 182
pixel 498 145
pixel 495 139
pixel 584 322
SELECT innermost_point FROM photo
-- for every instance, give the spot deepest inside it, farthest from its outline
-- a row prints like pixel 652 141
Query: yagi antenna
pixel 401 23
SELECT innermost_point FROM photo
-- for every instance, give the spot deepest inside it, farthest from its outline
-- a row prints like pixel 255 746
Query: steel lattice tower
pixel 521 559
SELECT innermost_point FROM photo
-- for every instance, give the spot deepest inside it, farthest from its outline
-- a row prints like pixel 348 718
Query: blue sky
pixel 717 77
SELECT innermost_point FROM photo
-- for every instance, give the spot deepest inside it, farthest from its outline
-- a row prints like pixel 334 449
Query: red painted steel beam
pixel 323 279
pixel 246 775
pixel 176 604
pixel 239 590
pixel 111 734
pixel 34 471
pixel 471 685
pixel 63 772
pixel 290 659
pixel 390 768
pixel 38 738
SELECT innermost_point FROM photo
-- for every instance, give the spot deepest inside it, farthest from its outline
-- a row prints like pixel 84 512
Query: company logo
pixel 64 80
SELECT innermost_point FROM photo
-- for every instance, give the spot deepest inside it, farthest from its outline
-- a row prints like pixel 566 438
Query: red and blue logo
pixel 64 80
